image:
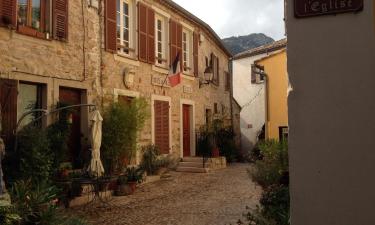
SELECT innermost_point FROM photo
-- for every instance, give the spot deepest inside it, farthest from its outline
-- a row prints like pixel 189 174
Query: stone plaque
pixel 159 80
pixel 308 8
pixel 187 89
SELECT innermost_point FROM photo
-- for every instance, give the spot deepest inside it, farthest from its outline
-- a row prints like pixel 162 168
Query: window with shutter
pixel 60 19
pixel 161 40
pixel 161 125
pixel 195 52
pixel 187 51
pixel 124 19
pixel 175 39
pixel 8 13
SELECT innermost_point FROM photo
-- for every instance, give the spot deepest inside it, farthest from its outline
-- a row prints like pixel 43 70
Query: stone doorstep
pixel 192 169
pixel 194 164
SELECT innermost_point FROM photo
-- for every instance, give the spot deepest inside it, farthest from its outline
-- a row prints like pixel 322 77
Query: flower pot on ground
pixel 64 170
pixel 134 175
pixel 215 152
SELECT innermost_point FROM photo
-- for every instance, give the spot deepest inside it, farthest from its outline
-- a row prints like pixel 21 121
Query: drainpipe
pixel 231 90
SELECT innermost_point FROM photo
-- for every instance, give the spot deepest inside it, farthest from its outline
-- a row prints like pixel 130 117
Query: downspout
pixel 231 91
pixel 266 105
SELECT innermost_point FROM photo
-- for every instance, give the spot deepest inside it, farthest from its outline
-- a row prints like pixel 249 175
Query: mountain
pixel 242 43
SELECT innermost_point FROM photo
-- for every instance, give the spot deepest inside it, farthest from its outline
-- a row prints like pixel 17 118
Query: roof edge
pixel 267 48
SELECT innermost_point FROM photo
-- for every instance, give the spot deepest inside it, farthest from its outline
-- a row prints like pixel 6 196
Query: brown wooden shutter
pixel 172 41
pixel 161 126
pixel 8 102
pixel 179 43
pixel 142 32
pixel 151 35
pixel 195 52
pixel 110 26
pixel 8 12
pixel 218 70
pixel 60 19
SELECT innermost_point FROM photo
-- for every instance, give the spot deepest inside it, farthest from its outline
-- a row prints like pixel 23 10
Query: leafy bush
pixel 134 174
pixel 152 161
pixel 120 130
pixel 36 204
pixel 271 171
pixel 8 215
pixel 273 166
pixel 36 158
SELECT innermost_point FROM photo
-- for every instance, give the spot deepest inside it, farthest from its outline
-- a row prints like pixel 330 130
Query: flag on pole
pixel 174 75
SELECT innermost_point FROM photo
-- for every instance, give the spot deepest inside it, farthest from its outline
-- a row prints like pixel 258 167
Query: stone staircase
pixel 193 165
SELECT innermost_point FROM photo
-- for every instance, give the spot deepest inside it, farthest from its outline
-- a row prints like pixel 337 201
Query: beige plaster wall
pixel 331 117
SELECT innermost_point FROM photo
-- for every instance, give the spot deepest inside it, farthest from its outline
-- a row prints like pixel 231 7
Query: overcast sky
pixel 239 17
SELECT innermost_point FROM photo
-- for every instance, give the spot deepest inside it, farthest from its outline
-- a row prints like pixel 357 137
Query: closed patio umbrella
pixel 96 166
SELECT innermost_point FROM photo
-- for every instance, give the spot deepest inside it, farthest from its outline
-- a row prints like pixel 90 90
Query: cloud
pixel 240 17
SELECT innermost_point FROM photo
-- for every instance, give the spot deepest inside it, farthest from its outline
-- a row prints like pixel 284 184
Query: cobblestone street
pixel 217 198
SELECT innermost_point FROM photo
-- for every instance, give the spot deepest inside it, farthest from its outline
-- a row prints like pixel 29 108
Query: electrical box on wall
pixel 93 3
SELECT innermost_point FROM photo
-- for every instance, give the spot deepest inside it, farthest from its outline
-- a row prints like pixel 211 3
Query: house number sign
pixel 308 8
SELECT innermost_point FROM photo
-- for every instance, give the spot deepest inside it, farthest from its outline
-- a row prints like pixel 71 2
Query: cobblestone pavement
pixel 216 198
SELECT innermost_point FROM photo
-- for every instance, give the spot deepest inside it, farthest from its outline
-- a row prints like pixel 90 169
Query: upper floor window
pixel 186 50
pixel 124 26
pixel 161 40
pixel 29 13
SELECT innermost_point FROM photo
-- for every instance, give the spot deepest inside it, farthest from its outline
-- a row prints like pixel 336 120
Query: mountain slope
pixel 241 43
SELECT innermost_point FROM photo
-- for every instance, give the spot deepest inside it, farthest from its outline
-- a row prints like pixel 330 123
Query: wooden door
pixel 186 130
pixel 69 96
pixel 161 126
pixel 8 102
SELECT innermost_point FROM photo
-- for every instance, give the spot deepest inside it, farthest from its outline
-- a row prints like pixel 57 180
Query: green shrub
pixel 36 158
pixel 275 203
pixel 152 161
pixel 9 216
pixel 134 174
pixel 273 166
pixel 120 130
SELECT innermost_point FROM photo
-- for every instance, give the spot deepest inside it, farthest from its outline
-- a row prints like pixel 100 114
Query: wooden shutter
pixel 218 70
pixel 195 52
pixel 179 43
pixel 172 41
pixel 161 126
pixel 8 12
pixel 60 19
pixel 151 35
pixel 175 33
pixel 8 102
pixel 142 32
pixel 110 26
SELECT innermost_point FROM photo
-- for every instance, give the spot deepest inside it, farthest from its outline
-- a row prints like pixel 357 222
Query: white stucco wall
pixel 244 92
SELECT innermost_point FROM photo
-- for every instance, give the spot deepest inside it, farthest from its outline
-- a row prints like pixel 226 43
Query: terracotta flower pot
pixel 132 185
pixel 215 152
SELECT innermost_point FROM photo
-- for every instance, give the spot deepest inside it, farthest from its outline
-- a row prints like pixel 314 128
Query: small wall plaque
pixel 158 80
pixel 308 8
pixel 187 89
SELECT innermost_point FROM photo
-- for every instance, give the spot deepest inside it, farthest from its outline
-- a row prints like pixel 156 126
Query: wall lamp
pixel 207 77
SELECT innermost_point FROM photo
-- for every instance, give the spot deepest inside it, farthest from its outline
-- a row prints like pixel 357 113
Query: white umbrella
pixel 96 166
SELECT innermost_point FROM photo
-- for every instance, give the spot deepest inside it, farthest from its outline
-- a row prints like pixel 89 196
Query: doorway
pixel 186 129
pixel 70 96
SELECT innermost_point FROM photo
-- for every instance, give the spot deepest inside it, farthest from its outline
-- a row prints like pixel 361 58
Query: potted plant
pixel 134 176
pixel 122 186
pixel 64 170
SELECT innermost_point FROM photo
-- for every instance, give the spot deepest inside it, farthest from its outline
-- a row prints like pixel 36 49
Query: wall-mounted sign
pixel 187 89
pixel 307 8
pixel 159 80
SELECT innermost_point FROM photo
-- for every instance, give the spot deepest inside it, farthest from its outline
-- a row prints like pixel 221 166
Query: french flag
pixel 174 75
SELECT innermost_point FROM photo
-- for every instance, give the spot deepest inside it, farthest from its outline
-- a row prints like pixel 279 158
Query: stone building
pixel 106 51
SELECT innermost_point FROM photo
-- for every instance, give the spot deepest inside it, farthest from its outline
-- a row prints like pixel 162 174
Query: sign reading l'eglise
pixel 307 8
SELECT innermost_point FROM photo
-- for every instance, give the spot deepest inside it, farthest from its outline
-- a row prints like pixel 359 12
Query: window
pixel 214 63
pixel 257 74
pixel 124 27
pixel 29 98
pixel 208 116
pixel 161 40
pixel 283 133
pixel 186 50
pixel 227 81
pixel 33 17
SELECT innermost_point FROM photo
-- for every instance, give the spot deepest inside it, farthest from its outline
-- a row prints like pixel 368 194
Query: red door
pixel 69 96
pixel 186 130
pixel 161 126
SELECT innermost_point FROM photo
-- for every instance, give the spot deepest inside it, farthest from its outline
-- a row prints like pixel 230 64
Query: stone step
pixel 193 164
pixel 192 169
pixel 192 159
